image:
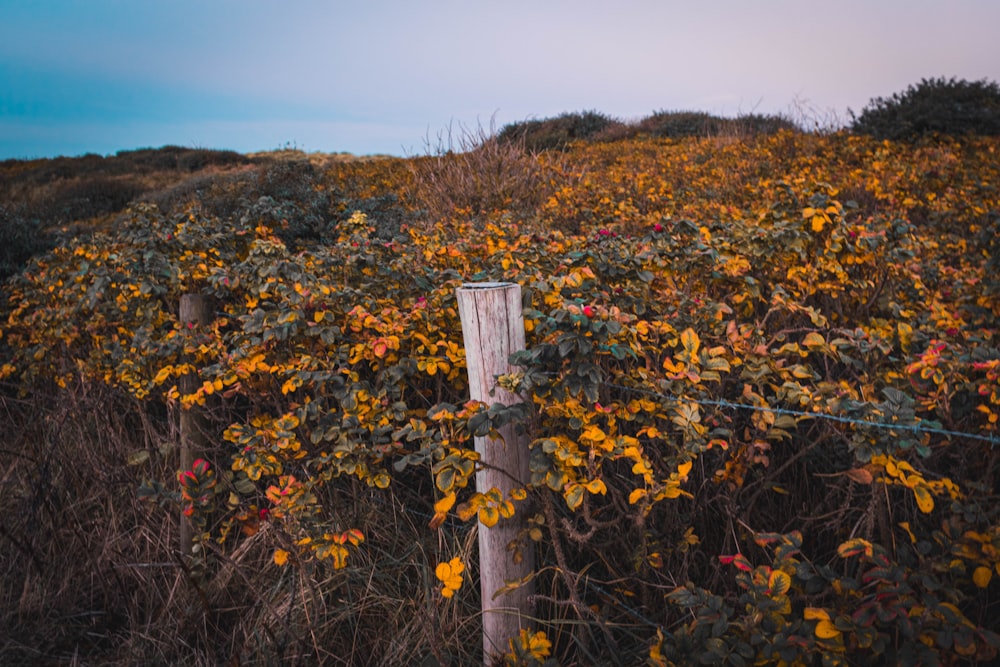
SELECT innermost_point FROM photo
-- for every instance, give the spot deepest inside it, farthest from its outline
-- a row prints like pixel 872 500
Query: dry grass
pixel 90 573
pixel 470 172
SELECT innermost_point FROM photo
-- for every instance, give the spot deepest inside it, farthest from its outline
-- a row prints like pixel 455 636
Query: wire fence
pixel 991 438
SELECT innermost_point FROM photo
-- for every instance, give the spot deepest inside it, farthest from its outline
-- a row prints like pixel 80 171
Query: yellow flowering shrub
pixel 742 358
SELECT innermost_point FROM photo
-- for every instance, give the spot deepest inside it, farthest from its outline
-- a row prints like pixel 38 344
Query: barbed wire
pixel 722 403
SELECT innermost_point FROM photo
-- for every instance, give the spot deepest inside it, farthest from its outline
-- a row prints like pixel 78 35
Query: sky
pixel 392 76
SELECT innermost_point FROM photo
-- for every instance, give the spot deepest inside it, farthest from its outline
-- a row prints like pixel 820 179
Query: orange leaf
pixel 981 577
pixel 816 614
pixel 489 516
pixel 446 503
pixel 854 547
pixel 925 501
pixel 779 582
pixel 826 630
pixel 860 475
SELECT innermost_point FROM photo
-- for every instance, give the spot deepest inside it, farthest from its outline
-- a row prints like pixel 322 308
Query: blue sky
pixel 384 76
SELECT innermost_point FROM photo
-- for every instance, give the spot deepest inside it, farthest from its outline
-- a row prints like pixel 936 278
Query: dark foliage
pixel 84 198
pixel 677 124
pixel 933 107
pixel 20 240
pixel 558 132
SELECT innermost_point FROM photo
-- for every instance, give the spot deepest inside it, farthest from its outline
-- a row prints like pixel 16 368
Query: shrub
pixel 86 197
pixel 756 124
pixel 558 132
pixel 176 157
pixel 21 238
pixel 933 106
pixel 284 194
pixel 675 124
pixel 764 422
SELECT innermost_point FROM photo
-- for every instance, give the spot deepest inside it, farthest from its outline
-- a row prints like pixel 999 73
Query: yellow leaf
pixel 826 630
pixel 597 486
pixel 817 222
pixel 814 340
pixel 339 554
pixel 779 582
pixel 905 335
pixel 636 495
pixel 816 614
pixel 450 574
pixel 467 510
pixel 925 501
pixel 381 480
pixel 163 375
pixel 690 341
pixel 981 577
pixel 489 516
pixel 506 509
pixel 683 469
pixel 280 557
pixel 446 503
pixel 905 525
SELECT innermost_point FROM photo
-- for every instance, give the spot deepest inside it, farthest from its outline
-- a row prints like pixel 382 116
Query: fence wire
pixel 722 403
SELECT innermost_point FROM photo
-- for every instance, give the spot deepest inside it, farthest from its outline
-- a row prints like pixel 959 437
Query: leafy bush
pixel 676 124
pixel 175 157
pixel 933 107
pixel 283 193
pixel 86 197
pixel 754 124
pixel 558 132
pixel 763 420
pixel 21 238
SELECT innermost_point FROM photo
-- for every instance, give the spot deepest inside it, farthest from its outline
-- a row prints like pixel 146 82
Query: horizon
pixel 384 78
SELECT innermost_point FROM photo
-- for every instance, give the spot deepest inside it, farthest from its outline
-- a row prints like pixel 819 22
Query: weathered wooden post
pixel 195 310
pixel 493 329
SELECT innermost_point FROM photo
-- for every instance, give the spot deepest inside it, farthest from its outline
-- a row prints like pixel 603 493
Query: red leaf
pixel 738 560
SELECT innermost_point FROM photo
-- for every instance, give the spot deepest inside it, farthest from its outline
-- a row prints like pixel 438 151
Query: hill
pixel 761 383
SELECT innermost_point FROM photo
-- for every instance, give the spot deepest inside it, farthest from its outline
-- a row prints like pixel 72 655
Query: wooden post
pixel 195 310
pixel 493 329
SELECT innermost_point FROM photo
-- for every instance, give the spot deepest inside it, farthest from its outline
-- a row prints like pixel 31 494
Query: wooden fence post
pixel 493 329
pixel 195 310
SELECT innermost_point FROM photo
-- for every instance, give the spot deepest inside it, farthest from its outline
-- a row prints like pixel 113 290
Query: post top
pixel 485 285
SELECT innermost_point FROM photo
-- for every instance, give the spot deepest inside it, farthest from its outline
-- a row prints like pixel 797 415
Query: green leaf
pixel 137 457
pixel 574 495
pixel 445 479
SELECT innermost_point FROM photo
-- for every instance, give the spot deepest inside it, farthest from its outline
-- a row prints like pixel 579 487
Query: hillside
pixel 762 386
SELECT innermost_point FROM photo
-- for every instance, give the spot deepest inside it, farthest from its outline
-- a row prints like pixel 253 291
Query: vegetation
pixel 934 107
pixel 763 393
pixel 560 132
